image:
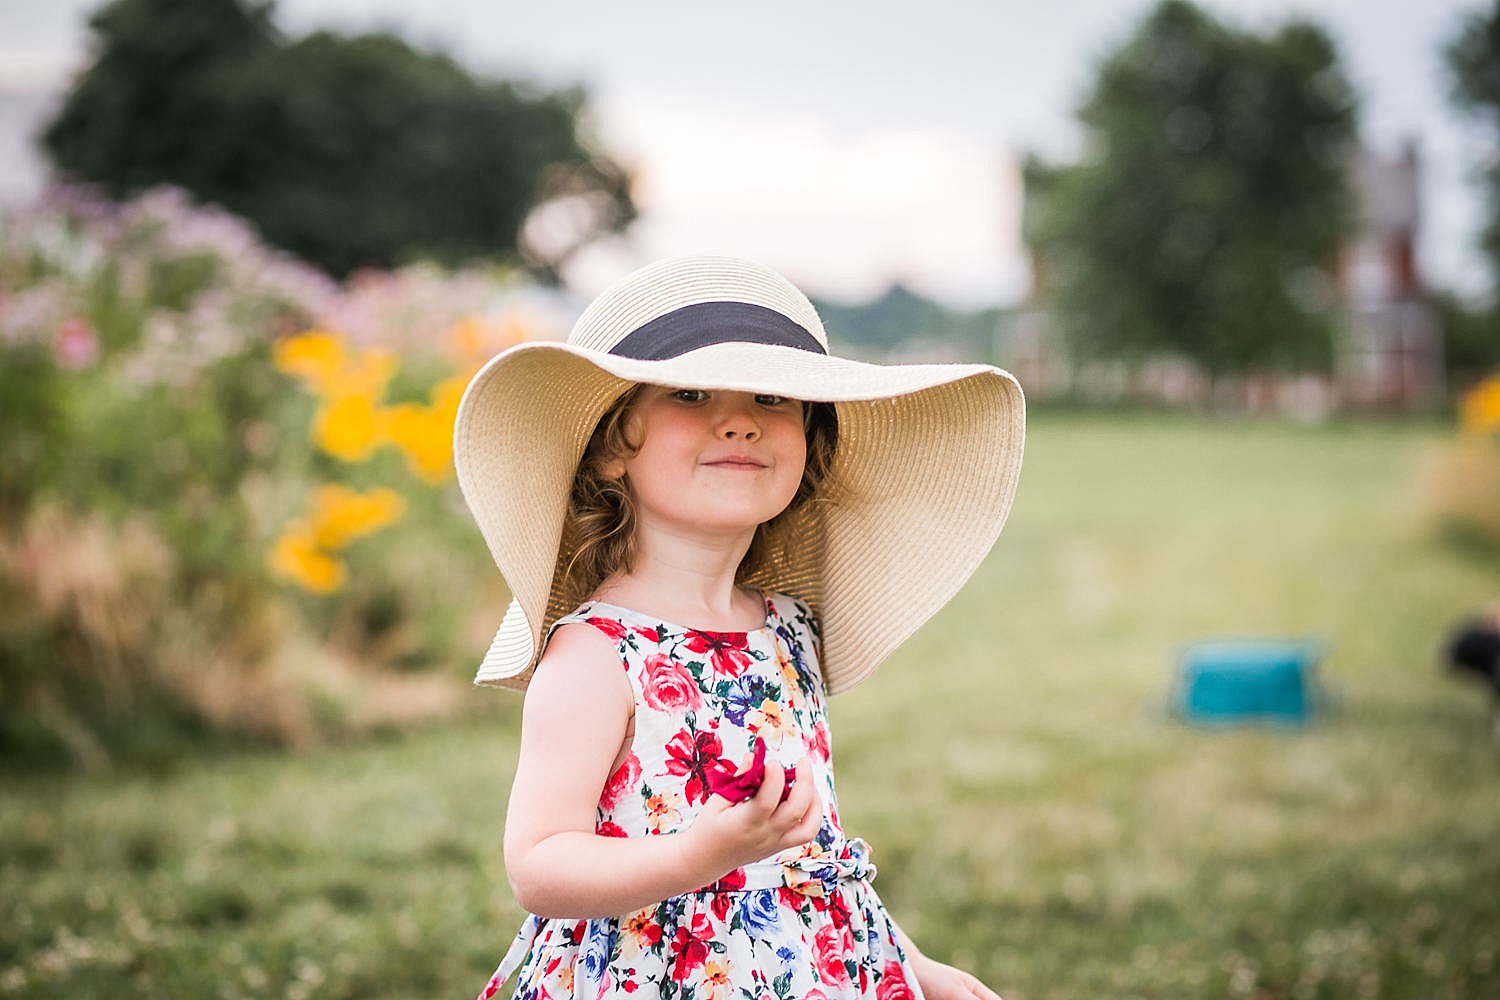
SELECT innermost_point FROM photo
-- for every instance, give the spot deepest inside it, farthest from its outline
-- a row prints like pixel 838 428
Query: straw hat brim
pixel 924 474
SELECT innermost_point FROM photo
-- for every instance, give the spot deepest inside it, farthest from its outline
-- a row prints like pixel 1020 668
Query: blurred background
pixel 1241 255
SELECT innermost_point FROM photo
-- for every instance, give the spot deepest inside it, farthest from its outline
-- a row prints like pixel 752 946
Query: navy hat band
pixel 704 323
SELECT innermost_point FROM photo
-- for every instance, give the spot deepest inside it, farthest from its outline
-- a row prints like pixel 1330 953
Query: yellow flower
pixel 715 980
pixel 637 932
pixel 297 557
pixel 446 396
pixel 425 433
pixel 474 339
pixel 663 810
pixel 364 374
pixel 424 436
pixel 314 356
pixel 347 427
pixel 341 515
pixel 1479 411
pixel 322 360
pixel 767 722
pixel 789 678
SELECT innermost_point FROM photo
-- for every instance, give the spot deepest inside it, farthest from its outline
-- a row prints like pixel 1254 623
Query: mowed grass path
pixel 1034 816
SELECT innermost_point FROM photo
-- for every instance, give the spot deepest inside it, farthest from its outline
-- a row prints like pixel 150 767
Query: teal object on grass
pixel 1248 680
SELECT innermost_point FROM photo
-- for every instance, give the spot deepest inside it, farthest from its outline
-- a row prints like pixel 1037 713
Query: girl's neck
pixel 690 581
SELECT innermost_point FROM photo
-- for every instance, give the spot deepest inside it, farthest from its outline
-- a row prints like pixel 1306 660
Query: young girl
pixel 709 524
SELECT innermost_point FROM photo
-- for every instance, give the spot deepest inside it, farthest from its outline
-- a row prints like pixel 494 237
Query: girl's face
pixel 713 460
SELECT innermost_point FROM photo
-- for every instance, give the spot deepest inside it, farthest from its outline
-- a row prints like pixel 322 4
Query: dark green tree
pixel 345 151
pixel 1207 212
pixel 1473 61
pixel 1471 339
pixel 151 106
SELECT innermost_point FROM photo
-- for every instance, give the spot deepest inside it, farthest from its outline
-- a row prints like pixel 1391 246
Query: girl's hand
pixel 735 834
pixel 944 982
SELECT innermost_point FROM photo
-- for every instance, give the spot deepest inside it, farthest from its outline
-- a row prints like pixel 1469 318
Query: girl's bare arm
pixel 576 716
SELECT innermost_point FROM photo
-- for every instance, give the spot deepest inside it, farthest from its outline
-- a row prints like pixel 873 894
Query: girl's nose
pixel 739 424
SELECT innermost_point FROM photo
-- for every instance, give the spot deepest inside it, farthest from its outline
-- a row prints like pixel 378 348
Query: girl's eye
pixel 766 399
pixel 689 395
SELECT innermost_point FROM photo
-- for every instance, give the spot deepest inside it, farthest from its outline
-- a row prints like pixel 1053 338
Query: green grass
pixel 1035 816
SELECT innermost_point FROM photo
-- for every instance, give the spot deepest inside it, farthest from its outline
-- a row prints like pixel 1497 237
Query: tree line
pixel 346 151
pixel 1202 219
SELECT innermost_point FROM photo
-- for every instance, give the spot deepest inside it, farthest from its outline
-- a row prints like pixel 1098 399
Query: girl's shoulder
pixel 576 658
pixel 793 611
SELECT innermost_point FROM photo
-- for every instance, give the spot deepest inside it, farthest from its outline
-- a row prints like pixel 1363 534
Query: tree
pixel 345 151
pixel 1473 61
pixel 151 107
pixel 1471 339
pixel 1208 211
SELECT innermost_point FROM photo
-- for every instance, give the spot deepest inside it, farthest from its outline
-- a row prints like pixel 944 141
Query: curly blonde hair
pixel 601 511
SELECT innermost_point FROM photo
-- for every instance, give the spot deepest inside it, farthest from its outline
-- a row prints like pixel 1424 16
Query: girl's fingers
pixel 769 792
pixel 803 792
pixel 804 804
pixel 715 805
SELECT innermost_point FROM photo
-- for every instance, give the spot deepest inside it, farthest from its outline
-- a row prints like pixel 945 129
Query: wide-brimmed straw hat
pixel 923 476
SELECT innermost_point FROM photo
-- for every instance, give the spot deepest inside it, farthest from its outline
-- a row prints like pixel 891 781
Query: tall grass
pixel 1036 816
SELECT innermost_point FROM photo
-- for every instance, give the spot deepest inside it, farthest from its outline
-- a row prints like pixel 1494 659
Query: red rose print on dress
pixel 625 776
pixel 820 744
pixel 668 687
pixel 893 984
pixel 615 630
pixel 831 946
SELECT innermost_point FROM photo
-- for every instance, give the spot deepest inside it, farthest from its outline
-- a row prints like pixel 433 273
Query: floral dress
pixel 804 924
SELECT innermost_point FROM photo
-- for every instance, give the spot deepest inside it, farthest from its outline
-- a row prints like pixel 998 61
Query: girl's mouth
pixel 736 462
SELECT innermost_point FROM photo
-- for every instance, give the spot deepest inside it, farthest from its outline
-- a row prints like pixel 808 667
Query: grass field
pixel 1035 816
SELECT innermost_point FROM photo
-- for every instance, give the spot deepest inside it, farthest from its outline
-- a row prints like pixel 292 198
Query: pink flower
pixel 668 687
pixel 893 984
pixel 625 777
pixel 820 744
pixel 831 947
pixel 77 345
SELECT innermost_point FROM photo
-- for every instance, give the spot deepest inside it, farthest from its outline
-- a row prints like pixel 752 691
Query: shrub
pixel 190 544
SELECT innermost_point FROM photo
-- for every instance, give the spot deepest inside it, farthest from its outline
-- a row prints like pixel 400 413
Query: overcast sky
pixel 852 144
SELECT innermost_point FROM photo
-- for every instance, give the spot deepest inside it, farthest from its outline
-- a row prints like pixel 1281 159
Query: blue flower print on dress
pixel 759 910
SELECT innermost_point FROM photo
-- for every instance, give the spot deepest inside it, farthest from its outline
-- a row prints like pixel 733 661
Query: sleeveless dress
pixel 804 924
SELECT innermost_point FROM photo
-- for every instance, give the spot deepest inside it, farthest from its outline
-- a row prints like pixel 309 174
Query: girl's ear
pixel 613 469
